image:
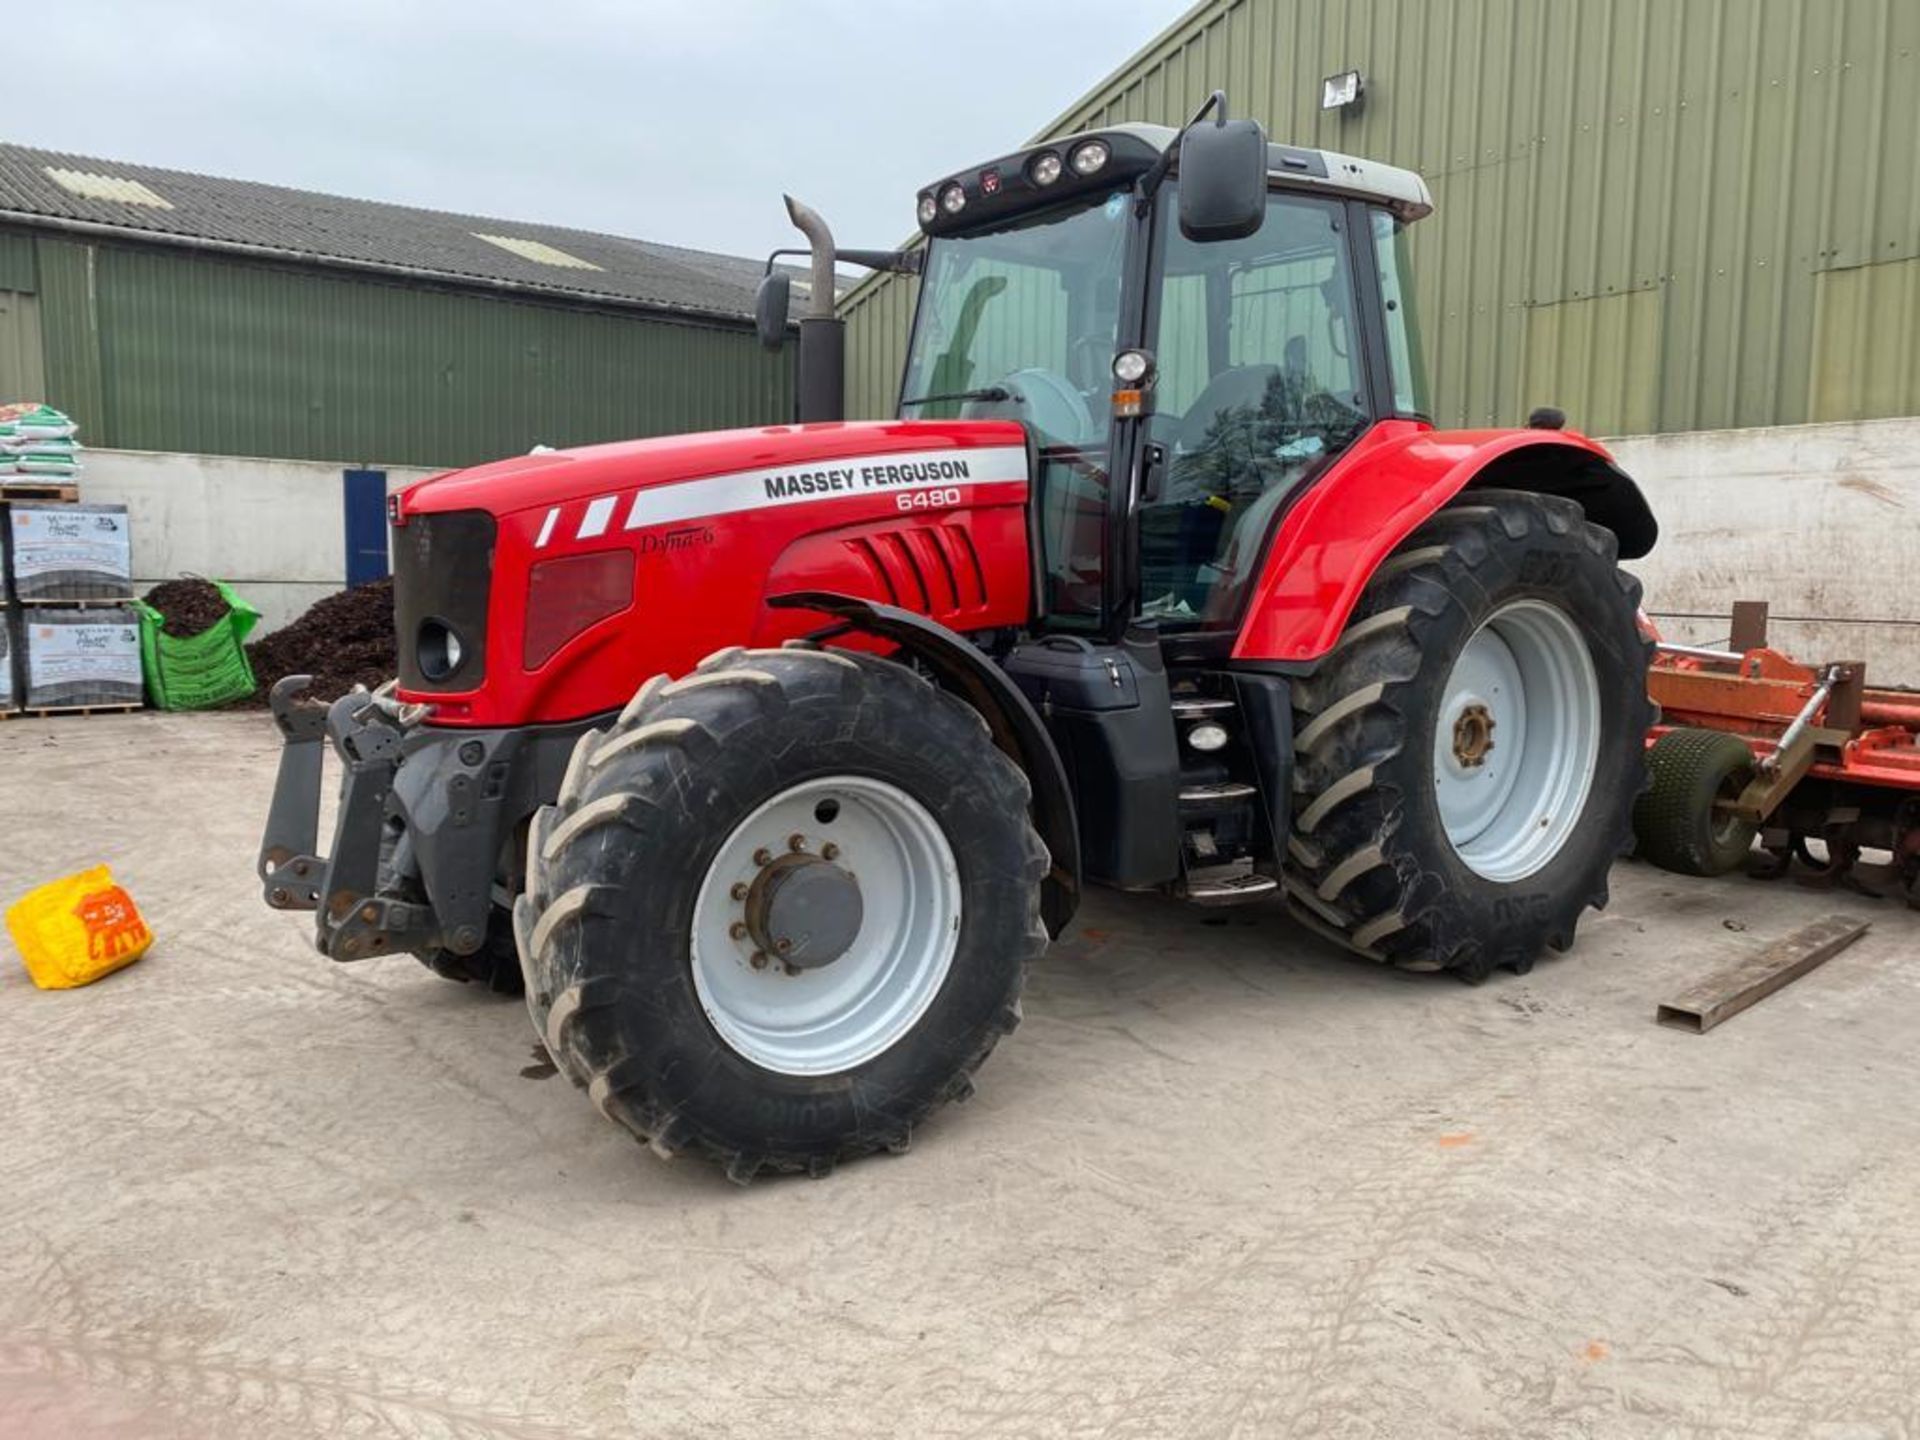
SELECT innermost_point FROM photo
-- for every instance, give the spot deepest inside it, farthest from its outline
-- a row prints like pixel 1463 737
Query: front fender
pixel 1384 488
pixel 962 668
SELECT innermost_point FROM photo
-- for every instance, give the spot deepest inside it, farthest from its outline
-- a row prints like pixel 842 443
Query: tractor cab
pixel 1180 381
pixel 1190 326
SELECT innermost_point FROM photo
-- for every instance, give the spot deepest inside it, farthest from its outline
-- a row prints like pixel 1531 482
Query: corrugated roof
pixel 370 233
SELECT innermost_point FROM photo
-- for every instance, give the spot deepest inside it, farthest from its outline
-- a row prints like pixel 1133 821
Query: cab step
pixel 1195 707
pixel 1231 890
pixel 1220 792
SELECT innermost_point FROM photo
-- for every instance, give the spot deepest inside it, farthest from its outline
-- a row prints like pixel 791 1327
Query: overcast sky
pixel 679 122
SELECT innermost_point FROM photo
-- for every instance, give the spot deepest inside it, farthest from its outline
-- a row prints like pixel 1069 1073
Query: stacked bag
pixel 36 439
pixel 78 659
pixel 59 552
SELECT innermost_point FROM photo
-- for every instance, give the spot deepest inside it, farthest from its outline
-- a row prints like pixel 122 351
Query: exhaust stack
pixel 823 345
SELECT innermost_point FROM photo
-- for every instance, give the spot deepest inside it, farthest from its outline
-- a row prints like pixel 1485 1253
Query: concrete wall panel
pixel 1820 521
pixel 275 529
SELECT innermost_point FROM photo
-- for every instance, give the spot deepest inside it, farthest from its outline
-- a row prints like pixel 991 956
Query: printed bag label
pixel 102 654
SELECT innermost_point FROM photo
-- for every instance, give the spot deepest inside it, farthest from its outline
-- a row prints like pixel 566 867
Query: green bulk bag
pixel 203 670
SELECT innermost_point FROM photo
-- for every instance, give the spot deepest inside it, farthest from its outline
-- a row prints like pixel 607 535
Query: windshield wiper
pixel 990 392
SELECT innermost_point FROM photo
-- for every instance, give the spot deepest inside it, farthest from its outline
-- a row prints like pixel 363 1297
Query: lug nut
pixel 758 960
pixel 796 843
pixel 739 891
pixel 763 856
pixel 790 969
pixel 829 851
pixel 738 930
pixel 783 945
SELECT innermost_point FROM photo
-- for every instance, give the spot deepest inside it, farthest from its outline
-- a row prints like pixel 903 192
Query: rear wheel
pixel 782 909
pixel 1685 821
pixel 1469 753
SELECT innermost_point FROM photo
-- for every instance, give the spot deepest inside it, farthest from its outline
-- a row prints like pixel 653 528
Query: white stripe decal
pixel 836 479
pixel 598 514
pixel 546 528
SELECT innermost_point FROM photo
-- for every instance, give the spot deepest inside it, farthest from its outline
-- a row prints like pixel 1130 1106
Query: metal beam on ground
pixel 1727 992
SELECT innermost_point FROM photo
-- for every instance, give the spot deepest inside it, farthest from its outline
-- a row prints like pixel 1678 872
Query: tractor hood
pixel 534 590
pixel 561 478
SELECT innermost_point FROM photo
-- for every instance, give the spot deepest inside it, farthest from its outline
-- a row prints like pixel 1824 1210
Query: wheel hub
pixel 804 911
pixel 1473 735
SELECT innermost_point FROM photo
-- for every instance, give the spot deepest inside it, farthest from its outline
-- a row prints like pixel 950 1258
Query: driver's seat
pixel 1244 386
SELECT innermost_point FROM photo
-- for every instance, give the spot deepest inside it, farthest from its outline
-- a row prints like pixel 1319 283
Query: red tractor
pixel 1163 581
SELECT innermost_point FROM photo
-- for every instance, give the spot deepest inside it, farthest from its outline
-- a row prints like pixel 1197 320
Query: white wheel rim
pixel 1517 740
pixel 844 1013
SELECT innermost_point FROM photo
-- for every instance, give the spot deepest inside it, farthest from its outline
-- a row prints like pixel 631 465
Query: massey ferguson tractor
pixel 772 758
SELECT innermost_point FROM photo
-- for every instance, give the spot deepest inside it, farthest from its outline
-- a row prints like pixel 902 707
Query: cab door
pixel 1262 379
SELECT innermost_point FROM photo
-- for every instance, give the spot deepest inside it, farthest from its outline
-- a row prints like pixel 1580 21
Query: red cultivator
pixel 1751 742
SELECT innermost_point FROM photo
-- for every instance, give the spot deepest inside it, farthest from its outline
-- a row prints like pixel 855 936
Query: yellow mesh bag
pixel 73 931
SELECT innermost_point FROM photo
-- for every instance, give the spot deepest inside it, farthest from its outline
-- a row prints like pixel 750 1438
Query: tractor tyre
pixel 495 966
pixel 1468 754
pixel 1676 820
pixel 782 909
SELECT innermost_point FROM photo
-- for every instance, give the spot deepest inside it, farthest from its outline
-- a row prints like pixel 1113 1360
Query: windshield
pixel 1020 323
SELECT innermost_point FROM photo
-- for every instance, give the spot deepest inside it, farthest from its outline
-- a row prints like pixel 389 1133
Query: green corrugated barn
pixel 1662 216
pixel 177 312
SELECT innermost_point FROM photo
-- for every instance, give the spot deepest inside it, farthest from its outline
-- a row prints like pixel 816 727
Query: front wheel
pixel 782 909
pixel 1468 756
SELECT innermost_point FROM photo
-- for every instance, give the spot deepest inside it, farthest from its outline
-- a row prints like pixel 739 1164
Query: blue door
pixel 366 494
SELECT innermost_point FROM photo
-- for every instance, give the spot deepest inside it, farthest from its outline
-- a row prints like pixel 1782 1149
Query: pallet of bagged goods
pixel 39 456
pixel 68 555
pixel 78 660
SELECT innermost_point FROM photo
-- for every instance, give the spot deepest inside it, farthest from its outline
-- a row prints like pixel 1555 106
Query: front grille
pixel 442 571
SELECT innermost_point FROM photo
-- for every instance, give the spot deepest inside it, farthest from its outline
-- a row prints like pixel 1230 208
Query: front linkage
pixel 428 825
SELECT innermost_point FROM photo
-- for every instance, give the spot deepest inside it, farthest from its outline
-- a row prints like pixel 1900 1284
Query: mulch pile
pixel 189 607
pixel 342 641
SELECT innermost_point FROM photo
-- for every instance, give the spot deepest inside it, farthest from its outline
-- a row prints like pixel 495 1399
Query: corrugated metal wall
pixel 1660 215
pixel 152 349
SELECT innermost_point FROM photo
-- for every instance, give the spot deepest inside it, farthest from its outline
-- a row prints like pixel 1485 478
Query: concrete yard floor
pixel 1224 1181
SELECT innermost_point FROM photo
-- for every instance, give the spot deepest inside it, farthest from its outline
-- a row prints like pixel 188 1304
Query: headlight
pixel 1045 168
pixel 953 199
pixel 927 210
pixel 1089 157
pixel 438 650
pixel 1207 735
pixel 1130 367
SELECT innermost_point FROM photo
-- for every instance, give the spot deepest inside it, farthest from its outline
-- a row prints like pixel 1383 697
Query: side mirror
pixel 1223 180
pixel 770 308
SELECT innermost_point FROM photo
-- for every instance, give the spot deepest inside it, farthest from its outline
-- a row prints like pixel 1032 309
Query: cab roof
pixel 1006 186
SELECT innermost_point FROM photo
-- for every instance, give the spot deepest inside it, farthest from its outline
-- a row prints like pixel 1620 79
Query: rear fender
pixel 963 669
pixel 1383 489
